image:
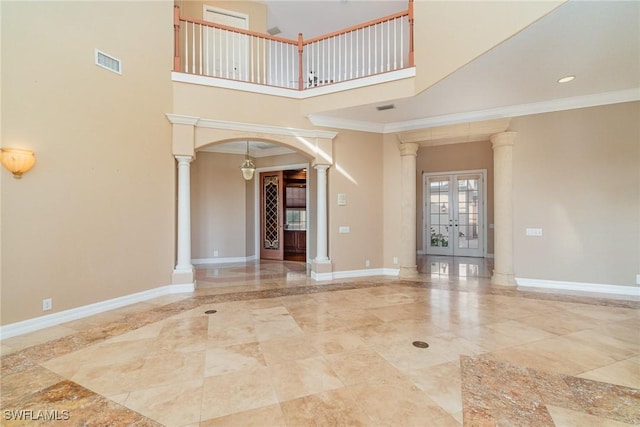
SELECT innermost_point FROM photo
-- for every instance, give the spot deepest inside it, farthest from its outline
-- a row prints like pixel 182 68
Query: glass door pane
pixel 467 221
pixel 439 221
pixel 453 214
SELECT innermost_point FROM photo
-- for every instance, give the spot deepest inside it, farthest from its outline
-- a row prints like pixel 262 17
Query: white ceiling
pixel 597 41
pixel 317 17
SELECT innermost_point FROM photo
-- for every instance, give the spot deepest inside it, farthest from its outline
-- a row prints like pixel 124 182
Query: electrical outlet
pixel 395 260
pixel 344 229
pixel 47 304
pixel 215 253
pixel 367 263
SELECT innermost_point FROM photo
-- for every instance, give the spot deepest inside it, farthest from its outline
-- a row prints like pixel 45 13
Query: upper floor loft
pixel 391 57
pixel 220 50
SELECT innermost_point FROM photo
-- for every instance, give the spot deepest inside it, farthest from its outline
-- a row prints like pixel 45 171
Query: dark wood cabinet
pixel 295 198
pixel 295 241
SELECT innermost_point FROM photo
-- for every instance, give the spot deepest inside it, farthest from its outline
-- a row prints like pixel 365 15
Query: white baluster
pixel 186 47
pixel 388 45
pixel 288 67
pixel 335 59
pixel 323 63
pixel 193 48
pixel 356 54
pixel 235 54
pixel 220 52
pixel 206 50
pixel 200 50
pixel 395 44
pixel 339 64
pixel 262 63
pixel 229 53
pixel 369 30
pixel 401 43
pixel 351 54
pixel 280 59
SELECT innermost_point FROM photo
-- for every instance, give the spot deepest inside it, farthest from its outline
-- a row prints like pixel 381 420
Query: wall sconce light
pixel 248 168
pixel 17 161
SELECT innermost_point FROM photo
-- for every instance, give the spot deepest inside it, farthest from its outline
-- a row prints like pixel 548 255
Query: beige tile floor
pixel 282 350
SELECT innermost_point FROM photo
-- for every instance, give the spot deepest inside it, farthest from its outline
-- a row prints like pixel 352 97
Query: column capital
pixel 408 148
pixel 321 167
pixel 503 139
pixel 184 159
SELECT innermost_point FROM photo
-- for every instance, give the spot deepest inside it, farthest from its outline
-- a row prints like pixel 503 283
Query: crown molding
pixel 560 104
pixel 178 119
pixel 266 129
pixel 585 101
pixel 338 123
pixel 455 134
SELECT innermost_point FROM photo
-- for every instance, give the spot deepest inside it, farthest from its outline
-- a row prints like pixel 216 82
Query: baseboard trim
pixel 217 260
pixel 321 276
pixel 578 286
pixel 351 274
pixel 37 323
pixel 359 273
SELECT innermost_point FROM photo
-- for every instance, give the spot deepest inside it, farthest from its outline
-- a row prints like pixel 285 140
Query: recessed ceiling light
pixel 566 79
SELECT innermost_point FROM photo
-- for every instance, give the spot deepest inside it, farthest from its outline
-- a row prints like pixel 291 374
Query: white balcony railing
pixel 209 49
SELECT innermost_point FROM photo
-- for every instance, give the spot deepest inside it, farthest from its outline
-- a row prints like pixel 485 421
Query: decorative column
pixel 502 144
pixel 408 265
pixel 184 271
pixel 321 263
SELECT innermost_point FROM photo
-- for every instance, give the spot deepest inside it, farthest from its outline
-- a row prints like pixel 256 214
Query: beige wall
pixel 356 173
pixel 237 106
pixel 455 157
pixel 391 191
pixel 218 206
pixel 94 219
pixel 456 32
pixel 577 176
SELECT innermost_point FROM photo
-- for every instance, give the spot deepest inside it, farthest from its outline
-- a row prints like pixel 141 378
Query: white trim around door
pixel 256 223
pixel 459 226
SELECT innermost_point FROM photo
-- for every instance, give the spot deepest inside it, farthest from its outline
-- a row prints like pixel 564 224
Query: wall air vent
pixel 385 107
pixel 109 62
pixel 274 31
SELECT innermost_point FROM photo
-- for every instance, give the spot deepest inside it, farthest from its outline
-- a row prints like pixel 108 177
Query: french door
pixel 454 213
pixel 271 215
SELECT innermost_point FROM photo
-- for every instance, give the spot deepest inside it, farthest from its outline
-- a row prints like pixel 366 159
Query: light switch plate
pixel 537 232
pixel 342 199
pixel 344 229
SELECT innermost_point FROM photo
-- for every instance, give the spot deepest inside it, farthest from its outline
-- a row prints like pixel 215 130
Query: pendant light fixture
pixel 248 168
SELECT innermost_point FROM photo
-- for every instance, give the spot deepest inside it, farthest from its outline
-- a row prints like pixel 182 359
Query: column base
pixel 183 276
pixel 321 270
pixel 408 272
pixel 503 279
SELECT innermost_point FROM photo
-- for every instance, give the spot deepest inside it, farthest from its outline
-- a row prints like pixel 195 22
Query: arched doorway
pixel 192 134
